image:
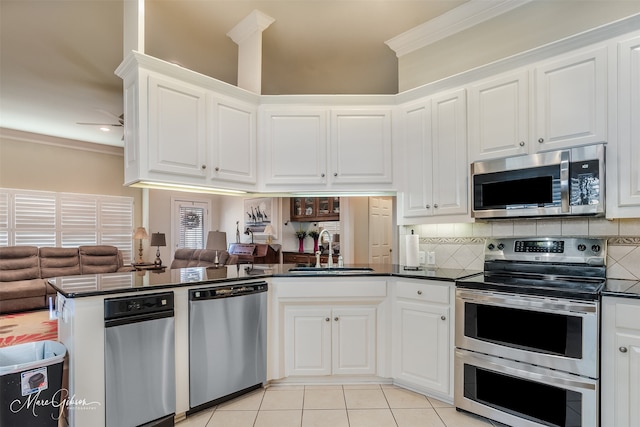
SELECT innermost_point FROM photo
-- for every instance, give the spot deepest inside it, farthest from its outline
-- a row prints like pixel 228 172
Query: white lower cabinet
pixel 620 357
pixel 422 336
pixel 329 340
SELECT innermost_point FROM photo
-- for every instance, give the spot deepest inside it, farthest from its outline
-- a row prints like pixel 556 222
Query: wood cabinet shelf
pixel 310 209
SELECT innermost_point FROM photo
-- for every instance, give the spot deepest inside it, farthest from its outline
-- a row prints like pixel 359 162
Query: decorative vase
pixel 315 245
pixel 301 244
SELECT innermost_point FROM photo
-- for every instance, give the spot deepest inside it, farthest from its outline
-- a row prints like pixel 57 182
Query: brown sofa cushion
pixel 23 289
pixel 183 257
pixel 207 257
pixel 98 259
pixel 19 263
pixel 22 304
pixel 55 262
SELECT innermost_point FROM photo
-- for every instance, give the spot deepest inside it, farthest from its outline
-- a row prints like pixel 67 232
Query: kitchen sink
pixel 330 270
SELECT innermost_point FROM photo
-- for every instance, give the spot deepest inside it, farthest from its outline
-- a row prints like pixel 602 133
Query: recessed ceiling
pixel 57 57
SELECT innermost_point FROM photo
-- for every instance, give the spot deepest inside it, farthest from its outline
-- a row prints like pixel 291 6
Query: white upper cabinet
pixel 361 146
pixel 623 157
pixel 499 116
pixel 571 100
pixel 322 149
pixel 435 156
pixel 183 128
pixel 295 146
pixel 177 120
pixel 557 104
pixel 233 146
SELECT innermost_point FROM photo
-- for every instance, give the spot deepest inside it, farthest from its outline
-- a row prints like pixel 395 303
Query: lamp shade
pixel 217 240
pixel 158 239
pixel 268 230
pixel 140 233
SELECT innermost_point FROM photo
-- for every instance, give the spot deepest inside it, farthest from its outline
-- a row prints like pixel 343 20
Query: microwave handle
pixel 564 180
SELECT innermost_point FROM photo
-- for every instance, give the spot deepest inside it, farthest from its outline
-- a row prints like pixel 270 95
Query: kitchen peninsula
pixel 362 301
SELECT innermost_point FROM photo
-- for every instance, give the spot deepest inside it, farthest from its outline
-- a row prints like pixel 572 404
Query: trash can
pixel 31 384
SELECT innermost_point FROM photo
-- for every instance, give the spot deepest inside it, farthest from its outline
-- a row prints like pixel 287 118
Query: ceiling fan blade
pixel 119 118
pixel 100 124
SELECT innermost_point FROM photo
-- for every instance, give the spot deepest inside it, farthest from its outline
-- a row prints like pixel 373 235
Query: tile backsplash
pixel 461 245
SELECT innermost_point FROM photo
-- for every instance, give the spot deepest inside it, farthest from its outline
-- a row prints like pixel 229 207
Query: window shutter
pixel 34 219
pixel 66 220
pixel 4 218
pixel 191 227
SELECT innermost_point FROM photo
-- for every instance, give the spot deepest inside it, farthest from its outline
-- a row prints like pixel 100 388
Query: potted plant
pixel 314 234
pixel 301 234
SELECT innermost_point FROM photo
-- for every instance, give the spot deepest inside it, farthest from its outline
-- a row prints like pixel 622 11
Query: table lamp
pixel 268 230
pixel 158 239
pixel 140 234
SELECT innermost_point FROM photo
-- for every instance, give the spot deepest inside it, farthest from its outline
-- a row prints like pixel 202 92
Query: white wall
pixel 533 25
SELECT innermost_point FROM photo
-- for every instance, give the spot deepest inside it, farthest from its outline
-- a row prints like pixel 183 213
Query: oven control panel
pixel 547 249
pixel 548 246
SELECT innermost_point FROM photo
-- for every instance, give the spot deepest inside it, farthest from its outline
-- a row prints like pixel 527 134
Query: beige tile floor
pixel 334 406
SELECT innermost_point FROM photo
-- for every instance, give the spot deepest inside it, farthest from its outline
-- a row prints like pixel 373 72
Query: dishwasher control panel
pixel 115 308
pixel 228 291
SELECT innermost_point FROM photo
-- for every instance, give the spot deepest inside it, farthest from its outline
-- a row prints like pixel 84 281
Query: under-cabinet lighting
pixel 185 188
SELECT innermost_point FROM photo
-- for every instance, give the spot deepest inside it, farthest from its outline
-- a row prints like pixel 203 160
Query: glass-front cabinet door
pixel 315 209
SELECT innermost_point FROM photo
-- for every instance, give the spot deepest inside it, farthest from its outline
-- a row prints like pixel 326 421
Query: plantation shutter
pixel 38 218
pixel 191 227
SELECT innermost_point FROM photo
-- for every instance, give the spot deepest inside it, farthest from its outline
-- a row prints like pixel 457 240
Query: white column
pixel 247 34
pixel 133 27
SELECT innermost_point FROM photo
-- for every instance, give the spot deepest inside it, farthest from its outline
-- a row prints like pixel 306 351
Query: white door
pixel 191 224
pixel 380 229
pixel 449 145
pixel 177 130
pixel 421 337
pixel 571 101
pixel 234 142
pixel 499 117
pixel 307 340
pixel 353 340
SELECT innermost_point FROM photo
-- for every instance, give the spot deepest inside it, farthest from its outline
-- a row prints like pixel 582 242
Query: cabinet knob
pixel 623 349
pixel 203 167
pixel 541 140
pixel 335 174
pixel 322 175
pixel 335 318
pixel 443 317
pixel 428 206
pixel 435 205
pixel 419 292
pixel 217 169
pixel 521 143
pixel 327 319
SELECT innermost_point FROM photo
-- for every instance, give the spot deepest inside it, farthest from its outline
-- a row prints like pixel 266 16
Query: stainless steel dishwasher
pixel 140 377
pixel 227 342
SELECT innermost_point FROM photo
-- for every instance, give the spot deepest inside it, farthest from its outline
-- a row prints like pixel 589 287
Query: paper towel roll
pixel 412 249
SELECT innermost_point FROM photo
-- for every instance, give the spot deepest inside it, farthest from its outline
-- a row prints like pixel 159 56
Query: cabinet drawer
pixel 291 258
pixel 423 291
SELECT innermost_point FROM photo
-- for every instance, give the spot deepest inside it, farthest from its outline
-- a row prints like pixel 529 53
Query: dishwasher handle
pixel 227 291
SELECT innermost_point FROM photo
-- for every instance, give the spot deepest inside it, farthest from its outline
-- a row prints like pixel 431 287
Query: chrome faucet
pixel 330 260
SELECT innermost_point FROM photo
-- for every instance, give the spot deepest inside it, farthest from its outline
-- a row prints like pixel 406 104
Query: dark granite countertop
pixel 622 288
pixel 146 280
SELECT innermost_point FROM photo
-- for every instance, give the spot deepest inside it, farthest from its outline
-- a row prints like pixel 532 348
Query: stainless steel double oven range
pixel 527 333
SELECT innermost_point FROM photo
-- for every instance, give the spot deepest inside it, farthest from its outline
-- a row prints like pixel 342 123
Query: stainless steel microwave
pixel 558 183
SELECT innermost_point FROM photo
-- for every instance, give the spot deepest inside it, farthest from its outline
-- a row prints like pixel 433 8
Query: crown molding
pixel 74 144
pixel 456 20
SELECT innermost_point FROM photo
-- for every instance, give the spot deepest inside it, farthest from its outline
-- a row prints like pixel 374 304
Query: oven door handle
pixel 526 301
pixel 533 373
pixel 564 180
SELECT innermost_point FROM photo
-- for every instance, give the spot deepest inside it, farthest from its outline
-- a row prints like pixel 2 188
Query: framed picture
pixel 258 213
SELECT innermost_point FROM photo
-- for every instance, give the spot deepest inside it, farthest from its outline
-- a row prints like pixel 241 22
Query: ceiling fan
pixel 119 119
